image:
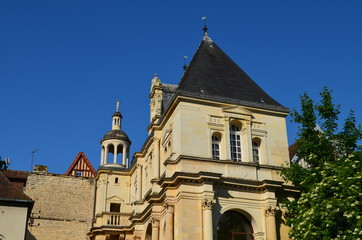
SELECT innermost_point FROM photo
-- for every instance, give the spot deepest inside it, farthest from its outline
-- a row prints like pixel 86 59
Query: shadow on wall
pixel 29 236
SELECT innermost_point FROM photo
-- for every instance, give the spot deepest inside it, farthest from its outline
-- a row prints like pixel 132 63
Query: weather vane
pixel 205 27
pixel 117 105
pixel 185 66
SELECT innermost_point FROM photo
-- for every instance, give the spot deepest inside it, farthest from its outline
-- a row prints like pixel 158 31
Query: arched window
pixel 215 146
pixel 235 143
pixel 116 180
pixel 234 226
pixel 256 152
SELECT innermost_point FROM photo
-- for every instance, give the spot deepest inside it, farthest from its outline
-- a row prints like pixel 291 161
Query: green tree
pixel 329 205
pixel 3 167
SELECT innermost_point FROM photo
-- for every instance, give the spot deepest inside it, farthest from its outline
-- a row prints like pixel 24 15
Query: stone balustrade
pixel 112 219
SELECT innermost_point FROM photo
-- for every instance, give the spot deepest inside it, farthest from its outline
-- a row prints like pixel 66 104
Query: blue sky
pixel 63 64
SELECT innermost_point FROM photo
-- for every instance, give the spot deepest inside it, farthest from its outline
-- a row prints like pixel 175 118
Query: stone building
pixel 209 167
pixel 63 207
pixel 64 204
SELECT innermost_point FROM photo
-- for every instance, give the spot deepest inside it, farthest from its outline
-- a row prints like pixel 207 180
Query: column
pixel 102 156
pixel 271 233
pixel 155 229
pixel 207 205
pixel 115 154
pixel 139 182
pixel 169 221
pixel 106 155
pixel 124 155
pixel 156 159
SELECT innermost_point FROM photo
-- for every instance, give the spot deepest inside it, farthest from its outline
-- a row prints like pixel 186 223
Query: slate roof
pixel 211 74
pixel 116 134
pixel 168 91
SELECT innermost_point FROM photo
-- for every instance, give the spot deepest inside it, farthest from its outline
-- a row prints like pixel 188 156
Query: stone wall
pixel 63 206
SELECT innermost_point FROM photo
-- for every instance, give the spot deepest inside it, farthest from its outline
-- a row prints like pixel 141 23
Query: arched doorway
pixel 234 226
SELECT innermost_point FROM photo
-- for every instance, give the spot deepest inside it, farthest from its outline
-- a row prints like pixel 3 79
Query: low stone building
pixel 63 206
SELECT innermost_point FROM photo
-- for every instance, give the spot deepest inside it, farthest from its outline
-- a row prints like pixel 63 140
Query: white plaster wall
pixel 13 222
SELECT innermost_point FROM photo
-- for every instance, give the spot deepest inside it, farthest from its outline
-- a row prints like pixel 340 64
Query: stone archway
pixel 234 225
pixel 148 235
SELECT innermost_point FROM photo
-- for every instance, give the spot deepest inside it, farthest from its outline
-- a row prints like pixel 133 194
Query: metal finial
pixel 185 66
pixel 205 27
pixel 117 105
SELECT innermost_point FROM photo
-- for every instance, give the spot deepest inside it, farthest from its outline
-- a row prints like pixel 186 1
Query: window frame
pixel 235 143
pixel 215 147
pixel 256 150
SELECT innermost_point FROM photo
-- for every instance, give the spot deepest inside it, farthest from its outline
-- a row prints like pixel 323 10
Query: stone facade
pixel 63 206
pixel 209 169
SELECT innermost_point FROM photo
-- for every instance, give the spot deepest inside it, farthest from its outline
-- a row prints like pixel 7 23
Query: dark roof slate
pixel 211 74
pixel 116 134
pixel 168 91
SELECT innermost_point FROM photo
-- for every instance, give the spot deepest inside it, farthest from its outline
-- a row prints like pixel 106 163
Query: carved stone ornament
pixel 270 211
pixel 155 223
pixel 169 208
pixel 208 203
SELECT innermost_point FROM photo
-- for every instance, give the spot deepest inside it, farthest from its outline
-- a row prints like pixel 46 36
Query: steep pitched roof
pixel 211 74
pixel 87 166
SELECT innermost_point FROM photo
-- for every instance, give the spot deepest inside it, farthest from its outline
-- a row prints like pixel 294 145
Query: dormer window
pixel 235 143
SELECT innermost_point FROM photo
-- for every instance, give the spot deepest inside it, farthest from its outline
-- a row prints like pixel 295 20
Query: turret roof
pixel 212 74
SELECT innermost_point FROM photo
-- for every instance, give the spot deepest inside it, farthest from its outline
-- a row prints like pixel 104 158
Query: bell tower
pixel 115 143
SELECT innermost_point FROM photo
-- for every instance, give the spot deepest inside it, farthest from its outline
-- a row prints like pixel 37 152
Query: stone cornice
pixel 226 161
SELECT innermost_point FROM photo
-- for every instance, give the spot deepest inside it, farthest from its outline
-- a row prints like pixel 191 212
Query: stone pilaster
pixel 156 159
pixel 207 205
pixel 169 221
pixel 155 229
pixel 139 182
pixel 271 233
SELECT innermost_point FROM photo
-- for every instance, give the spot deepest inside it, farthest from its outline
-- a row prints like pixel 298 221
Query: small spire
pixel 185 66
pixel 205 27
pixel 117 105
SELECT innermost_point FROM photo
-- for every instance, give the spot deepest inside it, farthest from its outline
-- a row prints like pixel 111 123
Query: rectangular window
pixel 78 173
pixel 235 146
pixel 115 207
